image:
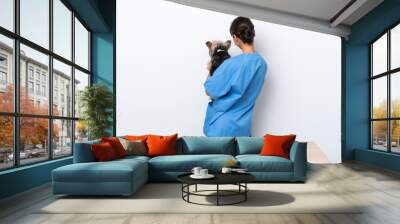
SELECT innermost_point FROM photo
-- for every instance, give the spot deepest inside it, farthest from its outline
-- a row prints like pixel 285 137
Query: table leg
pixel 217 194
pixel 245 193
pixel 195 188
pixel 188 190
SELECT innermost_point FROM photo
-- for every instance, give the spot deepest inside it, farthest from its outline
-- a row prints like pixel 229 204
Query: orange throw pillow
pixel 116 145
pixel 161 145
pixel 277 145
pixel 136 138
pixel 103 152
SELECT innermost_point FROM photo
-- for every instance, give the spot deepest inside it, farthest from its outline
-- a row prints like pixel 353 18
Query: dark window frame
pixel 388 74
pixel 16 114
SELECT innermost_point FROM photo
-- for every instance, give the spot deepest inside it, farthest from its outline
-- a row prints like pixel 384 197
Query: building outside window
pixel 3 72
pixel 34 75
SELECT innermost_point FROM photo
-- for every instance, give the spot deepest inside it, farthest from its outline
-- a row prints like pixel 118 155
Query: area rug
pixel 166 198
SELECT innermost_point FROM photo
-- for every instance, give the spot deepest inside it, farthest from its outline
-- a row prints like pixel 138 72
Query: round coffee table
pixel 238 179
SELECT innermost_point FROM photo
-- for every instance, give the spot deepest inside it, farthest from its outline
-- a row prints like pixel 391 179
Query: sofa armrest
pixel 83 152
pixel 298 155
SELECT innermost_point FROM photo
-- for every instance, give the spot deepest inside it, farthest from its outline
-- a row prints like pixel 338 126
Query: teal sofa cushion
pixel 111 171
pixel 197 145
pixel 257 163
pixel 185 163
pixel 249 145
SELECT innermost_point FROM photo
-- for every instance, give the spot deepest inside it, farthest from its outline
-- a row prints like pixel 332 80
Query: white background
pixel 161 68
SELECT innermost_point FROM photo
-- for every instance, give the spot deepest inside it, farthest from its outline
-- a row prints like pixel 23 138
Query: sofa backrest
pixel 249 145
pixel 83 152
pixel 192 145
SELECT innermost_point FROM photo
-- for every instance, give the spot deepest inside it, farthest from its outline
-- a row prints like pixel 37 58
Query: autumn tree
pixel 33 131
pixel 380 127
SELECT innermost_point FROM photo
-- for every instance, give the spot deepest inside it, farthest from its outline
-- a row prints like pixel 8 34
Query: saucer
pixel 208 176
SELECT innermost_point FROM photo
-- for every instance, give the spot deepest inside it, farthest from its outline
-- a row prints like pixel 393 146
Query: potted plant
pixel 96 102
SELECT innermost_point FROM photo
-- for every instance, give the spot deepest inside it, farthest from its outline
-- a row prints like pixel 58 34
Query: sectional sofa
pixel 125 176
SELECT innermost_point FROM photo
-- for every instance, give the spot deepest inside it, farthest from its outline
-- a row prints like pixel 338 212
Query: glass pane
pixel 395 47
pixel 81 131
pixel 62 138
pixel 34 97
pixel 6 142
pixel 7 14
pixel 62 89
pixel 35 21
pixel 379 55
pixel 6 74
pixel 62 29
pixel 81 81
pixel 395 136
pixel 379 135
pixel 33 139
pixel 395 94
pixel 81 45
pixel 379 97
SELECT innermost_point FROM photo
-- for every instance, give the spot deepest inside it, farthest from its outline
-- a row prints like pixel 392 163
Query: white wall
pixel 161 67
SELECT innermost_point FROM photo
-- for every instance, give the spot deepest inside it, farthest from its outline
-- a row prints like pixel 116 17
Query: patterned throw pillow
pixel 136 147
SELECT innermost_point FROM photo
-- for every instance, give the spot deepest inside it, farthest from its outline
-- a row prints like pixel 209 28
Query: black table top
pixel 220 178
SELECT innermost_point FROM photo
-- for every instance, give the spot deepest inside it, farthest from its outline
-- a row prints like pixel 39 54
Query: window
pixel 61 75
pixel 62 30
pixel 7 14
pixel 6 142
pixel 44 113
pixel 6 72
pixel 38 74
pixel 62 137
pixel 37 90
pixel 30 87
pixel 385 91
pixel 3 78
pixel 81 82
pixel 81 45
pixel 30 72
pixel 3 61
pixel 34 21
pixel 44 91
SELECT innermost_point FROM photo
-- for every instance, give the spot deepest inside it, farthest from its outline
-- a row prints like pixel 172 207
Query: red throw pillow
pixel 161 145
pixel 116 145
pixel 277 145
pixel 103 152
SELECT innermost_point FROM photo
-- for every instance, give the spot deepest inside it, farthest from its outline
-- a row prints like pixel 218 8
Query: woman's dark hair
pixel 243 28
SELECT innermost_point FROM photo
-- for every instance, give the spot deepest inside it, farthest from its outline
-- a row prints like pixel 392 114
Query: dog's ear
pixel 227 44
pixel 208 43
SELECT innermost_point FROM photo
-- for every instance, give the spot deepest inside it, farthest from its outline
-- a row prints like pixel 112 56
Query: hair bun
pixel 243 28
pixel 246 33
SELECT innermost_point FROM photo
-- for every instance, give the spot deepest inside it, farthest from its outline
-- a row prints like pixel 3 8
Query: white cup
pixel 196 171
pixel 226 170
pixel 203 172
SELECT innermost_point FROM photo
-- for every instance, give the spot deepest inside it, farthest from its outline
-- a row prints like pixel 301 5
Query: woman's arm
pixel 218 85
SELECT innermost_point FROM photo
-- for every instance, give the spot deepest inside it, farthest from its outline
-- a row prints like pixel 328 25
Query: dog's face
pixel 217 44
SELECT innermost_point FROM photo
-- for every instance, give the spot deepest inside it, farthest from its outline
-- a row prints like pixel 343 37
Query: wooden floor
pixel 378 189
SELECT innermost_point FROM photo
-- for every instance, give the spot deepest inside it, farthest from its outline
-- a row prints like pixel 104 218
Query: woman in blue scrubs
pixel 235 86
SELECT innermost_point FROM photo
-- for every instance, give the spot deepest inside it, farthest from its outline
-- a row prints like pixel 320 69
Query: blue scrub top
pixel 234 88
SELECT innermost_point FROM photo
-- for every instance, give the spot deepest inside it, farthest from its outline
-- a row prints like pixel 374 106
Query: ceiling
pixel 326 16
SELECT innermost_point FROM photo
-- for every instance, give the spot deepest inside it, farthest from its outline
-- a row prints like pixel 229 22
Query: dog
pixel 218 51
